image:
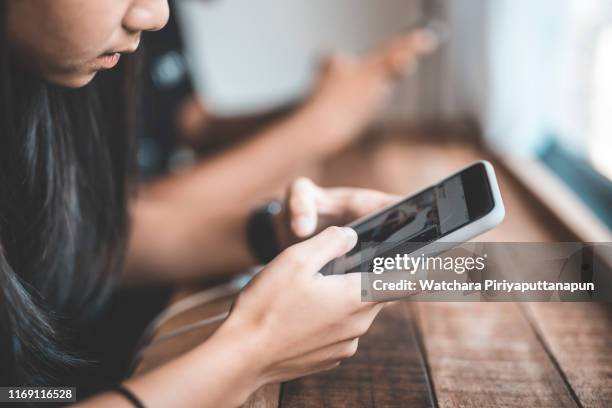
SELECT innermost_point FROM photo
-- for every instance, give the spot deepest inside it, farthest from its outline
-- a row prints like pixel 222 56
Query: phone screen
pixel 422 218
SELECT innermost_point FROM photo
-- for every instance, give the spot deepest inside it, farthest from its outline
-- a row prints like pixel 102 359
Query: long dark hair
pixel 65 158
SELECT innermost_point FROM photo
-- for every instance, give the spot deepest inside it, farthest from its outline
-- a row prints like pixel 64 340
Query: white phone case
pixel 465 233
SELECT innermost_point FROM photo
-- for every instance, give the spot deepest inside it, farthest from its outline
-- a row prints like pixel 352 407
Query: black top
pixel 166 84
pixel 110 338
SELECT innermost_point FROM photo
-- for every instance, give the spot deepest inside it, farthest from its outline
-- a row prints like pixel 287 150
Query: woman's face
pixel 68 41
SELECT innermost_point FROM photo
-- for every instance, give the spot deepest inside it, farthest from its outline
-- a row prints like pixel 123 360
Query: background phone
pixel 455 210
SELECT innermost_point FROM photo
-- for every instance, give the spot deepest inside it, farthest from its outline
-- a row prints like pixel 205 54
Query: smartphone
pixel 457 209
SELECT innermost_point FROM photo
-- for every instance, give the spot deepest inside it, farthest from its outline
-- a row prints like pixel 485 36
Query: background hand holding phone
pixel 351 90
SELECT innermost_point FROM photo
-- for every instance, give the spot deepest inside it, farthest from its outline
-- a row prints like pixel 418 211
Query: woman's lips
pixel 111 58
pixel 108 61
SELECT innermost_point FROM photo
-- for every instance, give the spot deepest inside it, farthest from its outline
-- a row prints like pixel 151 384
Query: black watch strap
pixel 261 234
pixel 128 395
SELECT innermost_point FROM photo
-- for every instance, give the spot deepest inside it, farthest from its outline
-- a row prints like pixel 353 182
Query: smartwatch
pixel 261 232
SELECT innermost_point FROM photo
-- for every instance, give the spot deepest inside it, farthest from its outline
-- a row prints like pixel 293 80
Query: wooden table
pixel 448 354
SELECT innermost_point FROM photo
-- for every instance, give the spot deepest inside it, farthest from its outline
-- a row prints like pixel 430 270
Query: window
pixel 538 77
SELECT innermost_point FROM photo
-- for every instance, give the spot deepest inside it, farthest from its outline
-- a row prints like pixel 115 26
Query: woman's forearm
pixel 222 372
pixel 193 224
pixel 289 322
pixel 255 167
pixel 182 241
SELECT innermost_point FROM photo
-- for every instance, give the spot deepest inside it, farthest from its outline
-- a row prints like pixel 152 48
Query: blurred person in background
pixel 348 93
pixel 69 218
pixel 245 159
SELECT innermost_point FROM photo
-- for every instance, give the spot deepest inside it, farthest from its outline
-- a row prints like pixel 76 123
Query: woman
pixel 64 198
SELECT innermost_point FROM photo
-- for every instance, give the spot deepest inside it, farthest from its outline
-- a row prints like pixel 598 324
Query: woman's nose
pixel 146 15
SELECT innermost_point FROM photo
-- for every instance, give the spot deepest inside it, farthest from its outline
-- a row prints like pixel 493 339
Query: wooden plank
pixel 402 166
pixel 387 371
pixel 578 337
pixel 265 397
pixel 487 355
pixel 545 187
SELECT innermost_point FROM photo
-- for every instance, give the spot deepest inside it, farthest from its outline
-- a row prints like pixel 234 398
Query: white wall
pixel 247 55
pixel 507 60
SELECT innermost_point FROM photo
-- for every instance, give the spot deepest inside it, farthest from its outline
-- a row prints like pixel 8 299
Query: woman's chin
pixel 72 81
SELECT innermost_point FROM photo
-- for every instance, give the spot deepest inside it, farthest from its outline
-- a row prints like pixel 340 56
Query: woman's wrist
pixel 221 372
pixel 235 344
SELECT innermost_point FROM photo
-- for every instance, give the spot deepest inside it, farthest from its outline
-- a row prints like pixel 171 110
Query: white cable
pixel 183 305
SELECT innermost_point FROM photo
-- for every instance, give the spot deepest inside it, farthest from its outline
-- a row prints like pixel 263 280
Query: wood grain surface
pixel 486 355
pixel 578 337
pixel 387 371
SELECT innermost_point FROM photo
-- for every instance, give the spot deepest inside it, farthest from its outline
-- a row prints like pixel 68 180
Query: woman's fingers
pixel 322 248
pixel 330 356
pixel 324 358
pixel 333 353
pixel 352 203
pixel 398 57
pixel 308 203
pixel 302 206
pixel 349 286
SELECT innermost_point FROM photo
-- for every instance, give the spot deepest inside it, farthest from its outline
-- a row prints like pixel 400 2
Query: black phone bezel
pixel 473 178
pixel 478 203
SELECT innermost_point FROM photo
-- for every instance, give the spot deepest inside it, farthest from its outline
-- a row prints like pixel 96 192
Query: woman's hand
pixel 350 90
pixel 290 321
pixel 296 321
pixel 309 208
